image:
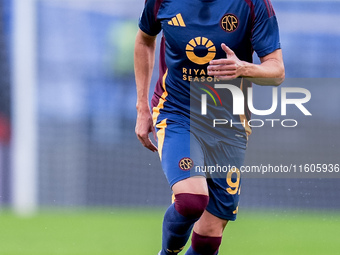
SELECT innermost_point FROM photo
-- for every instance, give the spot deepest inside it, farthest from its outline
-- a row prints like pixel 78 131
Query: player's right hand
pixel 144 126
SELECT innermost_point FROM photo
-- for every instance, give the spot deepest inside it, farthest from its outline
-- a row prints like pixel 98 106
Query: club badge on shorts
pixel 185 164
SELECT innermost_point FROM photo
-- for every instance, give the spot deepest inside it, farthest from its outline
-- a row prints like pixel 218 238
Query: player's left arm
pixel 271 71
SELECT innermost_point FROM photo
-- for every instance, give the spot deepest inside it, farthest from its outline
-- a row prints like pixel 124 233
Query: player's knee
pixel 191 205
pixel 206 245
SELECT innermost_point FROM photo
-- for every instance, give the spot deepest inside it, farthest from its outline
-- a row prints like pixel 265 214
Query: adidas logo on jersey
pixel 177 21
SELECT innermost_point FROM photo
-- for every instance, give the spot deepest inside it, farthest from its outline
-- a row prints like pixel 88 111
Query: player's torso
pixel 194 31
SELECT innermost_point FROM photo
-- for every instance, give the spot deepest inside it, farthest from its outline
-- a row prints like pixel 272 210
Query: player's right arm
pixel 144 60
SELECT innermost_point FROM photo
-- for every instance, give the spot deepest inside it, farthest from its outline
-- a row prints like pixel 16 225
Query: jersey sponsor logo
pixel 177 21
pixel 229 23
pixel 200 50
pixel 186 164
pixel 197 75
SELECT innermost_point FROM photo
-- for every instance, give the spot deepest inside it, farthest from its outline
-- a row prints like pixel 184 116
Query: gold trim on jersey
pixel 162 100
pixel 156 111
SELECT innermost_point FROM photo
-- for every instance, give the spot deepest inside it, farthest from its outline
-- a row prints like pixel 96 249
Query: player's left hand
pixel 226 68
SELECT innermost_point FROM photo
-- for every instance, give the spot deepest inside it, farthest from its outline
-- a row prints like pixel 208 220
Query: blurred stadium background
pixel 67 142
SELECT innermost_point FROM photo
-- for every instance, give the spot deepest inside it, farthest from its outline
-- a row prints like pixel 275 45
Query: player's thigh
pixel 180 152
pixel 210 225
pixel 193 185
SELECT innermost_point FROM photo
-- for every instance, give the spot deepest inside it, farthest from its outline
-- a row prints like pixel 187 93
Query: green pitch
pixel 138 232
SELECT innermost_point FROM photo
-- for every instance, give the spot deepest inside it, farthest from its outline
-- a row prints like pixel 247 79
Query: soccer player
pixel 202 41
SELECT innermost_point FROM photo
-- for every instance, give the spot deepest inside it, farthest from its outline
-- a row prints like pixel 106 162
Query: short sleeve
pixel 148 22
pixel 265 36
